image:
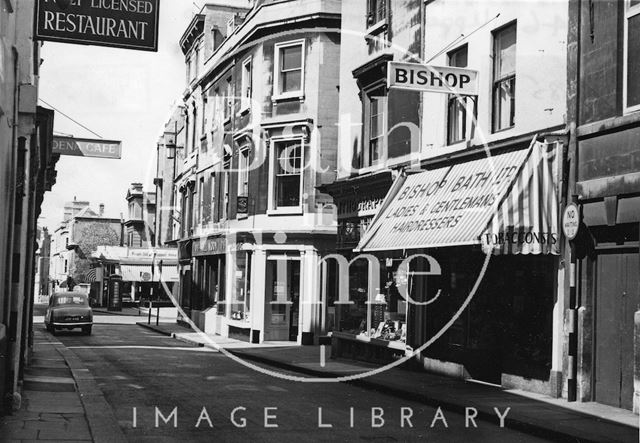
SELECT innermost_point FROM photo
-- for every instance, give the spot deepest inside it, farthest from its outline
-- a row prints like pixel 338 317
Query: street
pixel 214 397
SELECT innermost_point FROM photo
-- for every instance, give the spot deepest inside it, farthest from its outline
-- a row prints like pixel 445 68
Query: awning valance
pixel 143 273
pixel 507 202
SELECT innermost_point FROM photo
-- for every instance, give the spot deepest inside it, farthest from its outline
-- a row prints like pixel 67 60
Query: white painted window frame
pixel 276 67
pixel 247 84
pixel 272 209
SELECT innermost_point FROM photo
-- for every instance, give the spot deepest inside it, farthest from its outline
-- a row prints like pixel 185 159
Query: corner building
pixel 261 136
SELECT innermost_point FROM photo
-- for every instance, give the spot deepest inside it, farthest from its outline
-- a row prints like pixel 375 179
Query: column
pixel 309 322
pixel 258 273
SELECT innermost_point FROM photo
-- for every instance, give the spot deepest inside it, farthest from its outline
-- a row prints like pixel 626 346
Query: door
pixel 282 283
pixel 617 299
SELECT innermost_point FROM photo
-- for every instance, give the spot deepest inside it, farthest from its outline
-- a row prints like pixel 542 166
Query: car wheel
pixel 86 330
pixel 54 331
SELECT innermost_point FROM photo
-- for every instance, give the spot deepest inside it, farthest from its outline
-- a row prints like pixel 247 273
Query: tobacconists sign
pixel 129 24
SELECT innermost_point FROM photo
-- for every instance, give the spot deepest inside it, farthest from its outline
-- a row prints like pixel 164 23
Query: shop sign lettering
pixel 359 207
pixel 207 246
pixel 128 24
pixel 85 147
pixel 520 237
pixel 443 79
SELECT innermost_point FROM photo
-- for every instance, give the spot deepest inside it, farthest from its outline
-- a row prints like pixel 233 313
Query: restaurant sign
pixel 87 147
pixel 128 24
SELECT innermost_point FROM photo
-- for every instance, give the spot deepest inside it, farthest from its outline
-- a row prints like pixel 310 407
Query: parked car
pixel 68 310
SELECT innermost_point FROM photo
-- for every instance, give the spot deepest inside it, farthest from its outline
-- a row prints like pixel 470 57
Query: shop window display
pixel 383 318
pixel 240 303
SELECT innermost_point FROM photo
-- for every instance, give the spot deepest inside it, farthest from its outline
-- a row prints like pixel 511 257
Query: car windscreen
pixel 70 300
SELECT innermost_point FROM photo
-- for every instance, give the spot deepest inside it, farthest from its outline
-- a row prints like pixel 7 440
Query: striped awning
pixel 143 273
pixel 507 202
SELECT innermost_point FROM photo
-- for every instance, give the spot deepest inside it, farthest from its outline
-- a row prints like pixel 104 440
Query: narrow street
pixel 136 368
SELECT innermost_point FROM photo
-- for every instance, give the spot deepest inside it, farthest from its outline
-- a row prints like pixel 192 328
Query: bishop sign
pixel 129 24
pixel 443 79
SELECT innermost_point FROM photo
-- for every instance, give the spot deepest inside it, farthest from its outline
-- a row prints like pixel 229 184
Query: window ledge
pixel 294 210
pixel 288 96
pixel 376 28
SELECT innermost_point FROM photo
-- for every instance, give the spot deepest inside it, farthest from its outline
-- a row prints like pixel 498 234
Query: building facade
pixel 26 173
pixel 442 194
pixel 261 135
pixel 78 235
pixel 603 103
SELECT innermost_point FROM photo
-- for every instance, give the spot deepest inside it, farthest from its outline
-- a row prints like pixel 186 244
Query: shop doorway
pixel 282 281
pixel 616 300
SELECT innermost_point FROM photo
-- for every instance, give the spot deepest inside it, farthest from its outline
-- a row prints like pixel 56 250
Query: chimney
pixel 101 210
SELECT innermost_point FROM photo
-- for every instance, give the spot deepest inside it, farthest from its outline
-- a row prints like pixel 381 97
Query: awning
pixel 507 202
pixel 143 273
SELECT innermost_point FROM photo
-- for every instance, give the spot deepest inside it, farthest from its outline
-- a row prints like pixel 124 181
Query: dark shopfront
pixel 608 187
pixel 505 334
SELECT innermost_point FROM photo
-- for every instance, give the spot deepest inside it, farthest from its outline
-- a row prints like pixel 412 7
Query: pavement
pixel 60 400
pixel 539 415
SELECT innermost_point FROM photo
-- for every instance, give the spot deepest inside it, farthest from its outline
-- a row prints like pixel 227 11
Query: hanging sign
pixel 444 79
pixel 129 24
pixel 87 147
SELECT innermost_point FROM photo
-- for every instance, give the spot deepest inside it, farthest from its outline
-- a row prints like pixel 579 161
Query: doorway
pixel 282 283
pixel 616 299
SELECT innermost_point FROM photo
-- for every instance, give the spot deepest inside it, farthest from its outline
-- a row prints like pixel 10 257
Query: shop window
pixel 246 84
pixel 241 296
pixel 504 77
pixel 289 65
pixel 286 178
pixel 632 56
pixel 457 105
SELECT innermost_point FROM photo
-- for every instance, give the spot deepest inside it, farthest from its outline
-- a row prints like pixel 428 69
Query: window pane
pixel 633 62
pixel 457 119
pixel 505 52
pixel 504 104
pixel 288 190
pixel 458 58
pixel 291 81
pixel 291 57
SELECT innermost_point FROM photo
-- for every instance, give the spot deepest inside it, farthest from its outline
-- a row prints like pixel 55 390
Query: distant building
pixel 42 266
pixel 140 225
pixel 78 235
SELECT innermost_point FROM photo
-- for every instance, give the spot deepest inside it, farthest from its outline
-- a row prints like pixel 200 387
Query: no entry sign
pixel 130 24
pixel 443 79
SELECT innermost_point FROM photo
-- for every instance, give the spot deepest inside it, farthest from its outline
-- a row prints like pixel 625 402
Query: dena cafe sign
pixel 443 79
pixel 129 24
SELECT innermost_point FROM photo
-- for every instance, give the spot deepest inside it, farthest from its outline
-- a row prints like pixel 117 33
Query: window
pixel 228 102
pixel 225 187
pixel 201 202
pixel 457 106
pixel 287 176
pixel 632 56
pixel 243 173
pixel 65 266
pixel 504 77
pixel 213 198
pixel 376 12
pixel 246 84
pixel 376 128
pixel 216 110
pixel 289 75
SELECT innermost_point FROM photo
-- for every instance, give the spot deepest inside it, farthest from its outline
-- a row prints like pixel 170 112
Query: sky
pixel 120 94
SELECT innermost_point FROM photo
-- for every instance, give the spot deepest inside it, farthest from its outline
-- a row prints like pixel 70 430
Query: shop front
pixel 208 306
pixel 464 255
pixel 608 268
